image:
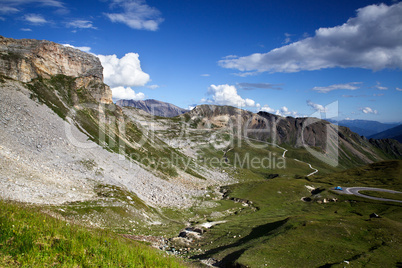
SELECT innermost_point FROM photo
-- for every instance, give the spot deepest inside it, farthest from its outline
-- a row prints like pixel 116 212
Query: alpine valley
pixel 86 182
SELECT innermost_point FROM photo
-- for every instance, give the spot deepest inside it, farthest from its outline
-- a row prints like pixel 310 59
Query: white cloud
pixel 35 19
pixel 12 4
pixel 82 24
pixel 85 49
pixel 371 40
pixel 245 74
pixel 205 75
pixel 287 39
pixel 136 14
pixel 348 86
pixel 123 72
pixel 26 30
pixel 399 89
pixel 8 10
pixel 267 109
pixel 368 110
pixel 8 7
pixel 227 95
pixel 379 87
pixel 284 111
pixel 126 93
pixel 317 107
pixel 252 86
pixel 153 86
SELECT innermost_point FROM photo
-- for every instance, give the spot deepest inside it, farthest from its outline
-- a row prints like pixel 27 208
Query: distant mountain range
pixel 365 128
pixel 392 133
pixel 154 107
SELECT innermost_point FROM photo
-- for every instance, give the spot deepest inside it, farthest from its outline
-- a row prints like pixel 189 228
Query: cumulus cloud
pixel 399 89
pixel 126 93
pixel 267 109
pixel 368 110
pixel 227 95
pixel 251 86
pixel 136 14
pixel 26 29
pixel 317 107
pixel 82 24
pixel 348 86
pixel 123 72
pixel 85 49
pixel 206 75
pixel 371 40
pixel 283 111
pixel 35 19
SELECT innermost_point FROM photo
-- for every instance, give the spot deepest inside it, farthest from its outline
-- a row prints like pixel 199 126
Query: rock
pixel 183 234
pixel 27 59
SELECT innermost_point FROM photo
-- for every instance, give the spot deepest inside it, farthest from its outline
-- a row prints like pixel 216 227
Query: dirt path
pixel 283 155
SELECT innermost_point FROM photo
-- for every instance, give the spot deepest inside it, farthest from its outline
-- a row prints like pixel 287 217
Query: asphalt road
pixel 355 191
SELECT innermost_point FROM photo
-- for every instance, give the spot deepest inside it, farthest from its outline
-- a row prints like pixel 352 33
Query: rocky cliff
pixel 154 107
pixel 28 59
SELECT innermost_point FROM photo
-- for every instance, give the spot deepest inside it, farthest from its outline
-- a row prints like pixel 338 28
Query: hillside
pixel 154 107
pixel 394 133
pixel 35 239
pixel 217 185
pixel 321 138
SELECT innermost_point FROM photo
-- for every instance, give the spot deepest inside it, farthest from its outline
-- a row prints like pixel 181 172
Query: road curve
pixel 355 191
pixel 283 155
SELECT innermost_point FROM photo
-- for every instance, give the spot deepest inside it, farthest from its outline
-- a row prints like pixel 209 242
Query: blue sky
pixel 285 57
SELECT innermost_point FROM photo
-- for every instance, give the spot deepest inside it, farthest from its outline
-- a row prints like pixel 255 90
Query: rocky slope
pixel 154 107
pixel 61 137
pixel 28 59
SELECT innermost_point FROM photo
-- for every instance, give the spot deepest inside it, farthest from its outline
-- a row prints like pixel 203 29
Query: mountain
pixel 364 127
pixel 27 59
pixel 154 107
pixel 392 133
pixel 63 140
pixel 219 185
pixel 326 139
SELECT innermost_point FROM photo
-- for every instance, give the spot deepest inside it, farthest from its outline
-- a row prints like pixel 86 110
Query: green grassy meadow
pixel 30 238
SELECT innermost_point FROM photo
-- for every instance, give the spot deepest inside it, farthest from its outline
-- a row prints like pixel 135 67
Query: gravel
pixel 40 164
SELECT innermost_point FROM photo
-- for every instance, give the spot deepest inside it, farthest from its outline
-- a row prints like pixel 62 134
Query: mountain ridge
pixel 365 128
pixel 392 133
pixel 300 132
pixel 154 107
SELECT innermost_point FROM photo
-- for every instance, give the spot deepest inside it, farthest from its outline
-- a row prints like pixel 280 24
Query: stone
pixel 27 59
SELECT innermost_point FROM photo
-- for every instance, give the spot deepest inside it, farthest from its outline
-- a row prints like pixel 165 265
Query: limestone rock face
pixel 27 59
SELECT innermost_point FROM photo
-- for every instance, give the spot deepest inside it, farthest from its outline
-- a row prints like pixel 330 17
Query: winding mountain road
pixel 355 191
pixel 283 155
